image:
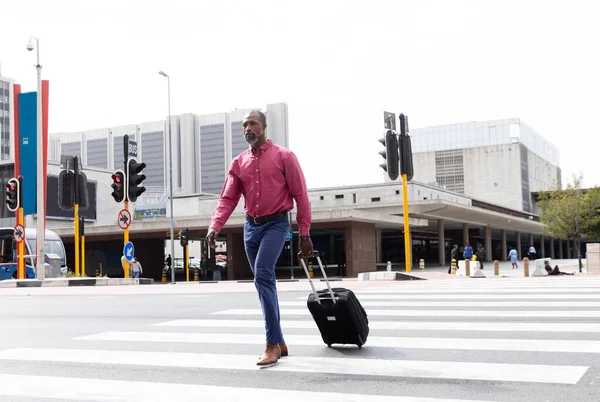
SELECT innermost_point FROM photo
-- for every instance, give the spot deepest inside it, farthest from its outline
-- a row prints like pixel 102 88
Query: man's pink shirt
pixel 270 179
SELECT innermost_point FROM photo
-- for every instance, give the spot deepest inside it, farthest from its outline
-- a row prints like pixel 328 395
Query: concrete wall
pixel 493 174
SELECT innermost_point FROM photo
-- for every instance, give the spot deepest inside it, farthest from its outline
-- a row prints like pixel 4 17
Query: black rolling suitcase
pixel 337 312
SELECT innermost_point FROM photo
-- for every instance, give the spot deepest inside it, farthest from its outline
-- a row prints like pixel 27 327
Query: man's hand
pixel 211 237
pixel 306 247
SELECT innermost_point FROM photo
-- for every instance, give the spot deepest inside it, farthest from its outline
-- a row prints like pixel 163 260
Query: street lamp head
pixel 163 73
pixel 30 46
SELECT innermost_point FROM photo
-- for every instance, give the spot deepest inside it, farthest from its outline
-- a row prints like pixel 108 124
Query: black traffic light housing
pixel 183 239
pixel 390 154
pixel 13 194
pixel 118 185
pixel 406 159
pixel 135 179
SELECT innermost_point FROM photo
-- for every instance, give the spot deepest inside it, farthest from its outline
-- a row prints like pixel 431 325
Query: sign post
pixel 19 234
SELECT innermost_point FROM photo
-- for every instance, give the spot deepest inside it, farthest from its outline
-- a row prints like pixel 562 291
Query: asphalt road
pixel 514 339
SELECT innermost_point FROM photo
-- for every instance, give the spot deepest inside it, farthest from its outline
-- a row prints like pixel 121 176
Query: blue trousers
pixel 263 246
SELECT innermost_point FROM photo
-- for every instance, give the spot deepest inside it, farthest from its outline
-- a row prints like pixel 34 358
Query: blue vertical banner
pixel 28 150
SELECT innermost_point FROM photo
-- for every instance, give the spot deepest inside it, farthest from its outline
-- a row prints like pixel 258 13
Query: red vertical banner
pixel 16 93
pixel 17 140
pixel 45 109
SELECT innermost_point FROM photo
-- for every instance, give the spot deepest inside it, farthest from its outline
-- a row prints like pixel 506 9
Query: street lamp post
pixel 170 178
pixel 41 216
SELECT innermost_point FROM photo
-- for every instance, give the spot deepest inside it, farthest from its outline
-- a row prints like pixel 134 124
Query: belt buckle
pixel 255 220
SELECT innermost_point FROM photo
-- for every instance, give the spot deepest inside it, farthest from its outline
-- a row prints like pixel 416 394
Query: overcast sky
pixel 337 63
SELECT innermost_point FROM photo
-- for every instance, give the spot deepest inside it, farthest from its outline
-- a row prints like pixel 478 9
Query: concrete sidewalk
pixel 505 269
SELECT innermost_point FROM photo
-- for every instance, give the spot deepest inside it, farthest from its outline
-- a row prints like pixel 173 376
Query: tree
pixel 566 211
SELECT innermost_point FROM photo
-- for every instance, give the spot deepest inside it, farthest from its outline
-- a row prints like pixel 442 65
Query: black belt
pixel 261 220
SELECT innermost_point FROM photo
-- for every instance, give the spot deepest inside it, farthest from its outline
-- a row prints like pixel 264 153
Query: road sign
pixel 124 219
pixel 132 149
pixel 128 251
pixel 19 233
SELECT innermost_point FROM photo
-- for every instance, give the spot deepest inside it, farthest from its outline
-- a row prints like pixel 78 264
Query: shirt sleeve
pixel 297 185
pixel 230 196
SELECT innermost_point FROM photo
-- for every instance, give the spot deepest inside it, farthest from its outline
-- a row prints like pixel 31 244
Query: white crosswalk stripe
pixel 441 333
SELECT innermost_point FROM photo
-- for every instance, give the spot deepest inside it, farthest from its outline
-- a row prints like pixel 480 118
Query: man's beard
pixel 251 138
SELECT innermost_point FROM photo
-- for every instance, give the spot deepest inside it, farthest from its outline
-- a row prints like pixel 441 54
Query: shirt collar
pixel 263 147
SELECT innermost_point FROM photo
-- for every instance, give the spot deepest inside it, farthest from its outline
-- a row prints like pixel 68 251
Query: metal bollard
pixel 526 267
pixel 389 266
pixel 422 264
pixel 310 270
pixel 97 273
pixel 496 267
pixel 467 267
pixel 196 277
pixel 453 267
pixel 164 275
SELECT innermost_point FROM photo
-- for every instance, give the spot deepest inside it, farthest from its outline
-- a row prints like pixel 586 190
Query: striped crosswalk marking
pixel 463 304
pixel 486 296
pixel 402 325
pixel 522 345
pixel 470 325
pixel 437 313
pixel 299 364
pixel 87 389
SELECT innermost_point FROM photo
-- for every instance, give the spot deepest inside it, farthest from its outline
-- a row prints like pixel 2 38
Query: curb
pixel 64 282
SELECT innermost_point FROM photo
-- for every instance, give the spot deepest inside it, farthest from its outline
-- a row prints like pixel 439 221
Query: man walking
pixel 270 179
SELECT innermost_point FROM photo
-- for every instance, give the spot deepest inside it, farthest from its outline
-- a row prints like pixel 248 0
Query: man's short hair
pixel 261 116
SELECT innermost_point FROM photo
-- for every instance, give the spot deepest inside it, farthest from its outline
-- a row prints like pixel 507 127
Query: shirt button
pixel 257 181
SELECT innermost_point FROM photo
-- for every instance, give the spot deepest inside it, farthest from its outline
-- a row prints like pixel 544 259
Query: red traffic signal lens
pixel 10 187
pixel 116 178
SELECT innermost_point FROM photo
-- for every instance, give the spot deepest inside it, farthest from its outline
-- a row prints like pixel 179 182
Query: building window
pixel 354 198
pixel 397 192
pixel 375 199
pixel 339 196
pixel 321 198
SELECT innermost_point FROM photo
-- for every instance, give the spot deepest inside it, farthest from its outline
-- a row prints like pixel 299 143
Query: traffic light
pixel 118 185
pixel 183 239
pixel 13 194
pixel 391 165
pixel 406 159
pixel 135 179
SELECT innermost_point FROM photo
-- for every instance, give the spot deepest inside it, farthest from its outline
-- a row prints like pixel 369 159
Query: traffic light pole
pixel 21 247
pixel 76 215
pixel 126 237
pixel 407 248
pixel 82 234
pixel 187 263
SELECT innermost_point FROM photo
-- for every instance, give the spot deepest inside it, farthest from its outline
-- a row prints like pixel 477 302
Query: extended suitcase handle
pixel 312 285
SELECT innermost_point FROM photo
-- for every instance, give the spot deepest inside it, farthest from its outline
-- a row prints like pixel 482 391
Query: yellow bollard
pixel 164 275
pixel 496 267
pixel 97 273
pixel 467 267
pixel 453 267
pixel 422 264
pixel 310 270
pixel 196 277
pixel 526 267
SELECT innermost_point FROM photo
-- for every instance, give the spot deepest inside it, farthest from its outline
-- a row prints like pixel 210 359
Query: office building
pixel 6 119
pixel 499 161
pixel 202 147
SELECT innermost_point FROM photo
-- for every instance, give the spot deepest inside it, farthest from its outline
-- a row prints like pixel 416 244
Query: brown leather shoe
pixel 271 355
pixel 284 349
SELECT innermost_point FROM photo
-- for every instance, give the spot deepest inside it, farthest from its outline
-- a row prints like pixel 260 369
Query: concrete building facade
pixel 203 147
pixel 499 161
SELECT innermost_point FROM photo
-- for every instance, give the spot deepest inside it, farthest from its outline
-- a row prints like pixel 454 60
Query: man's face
pixel 254 130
